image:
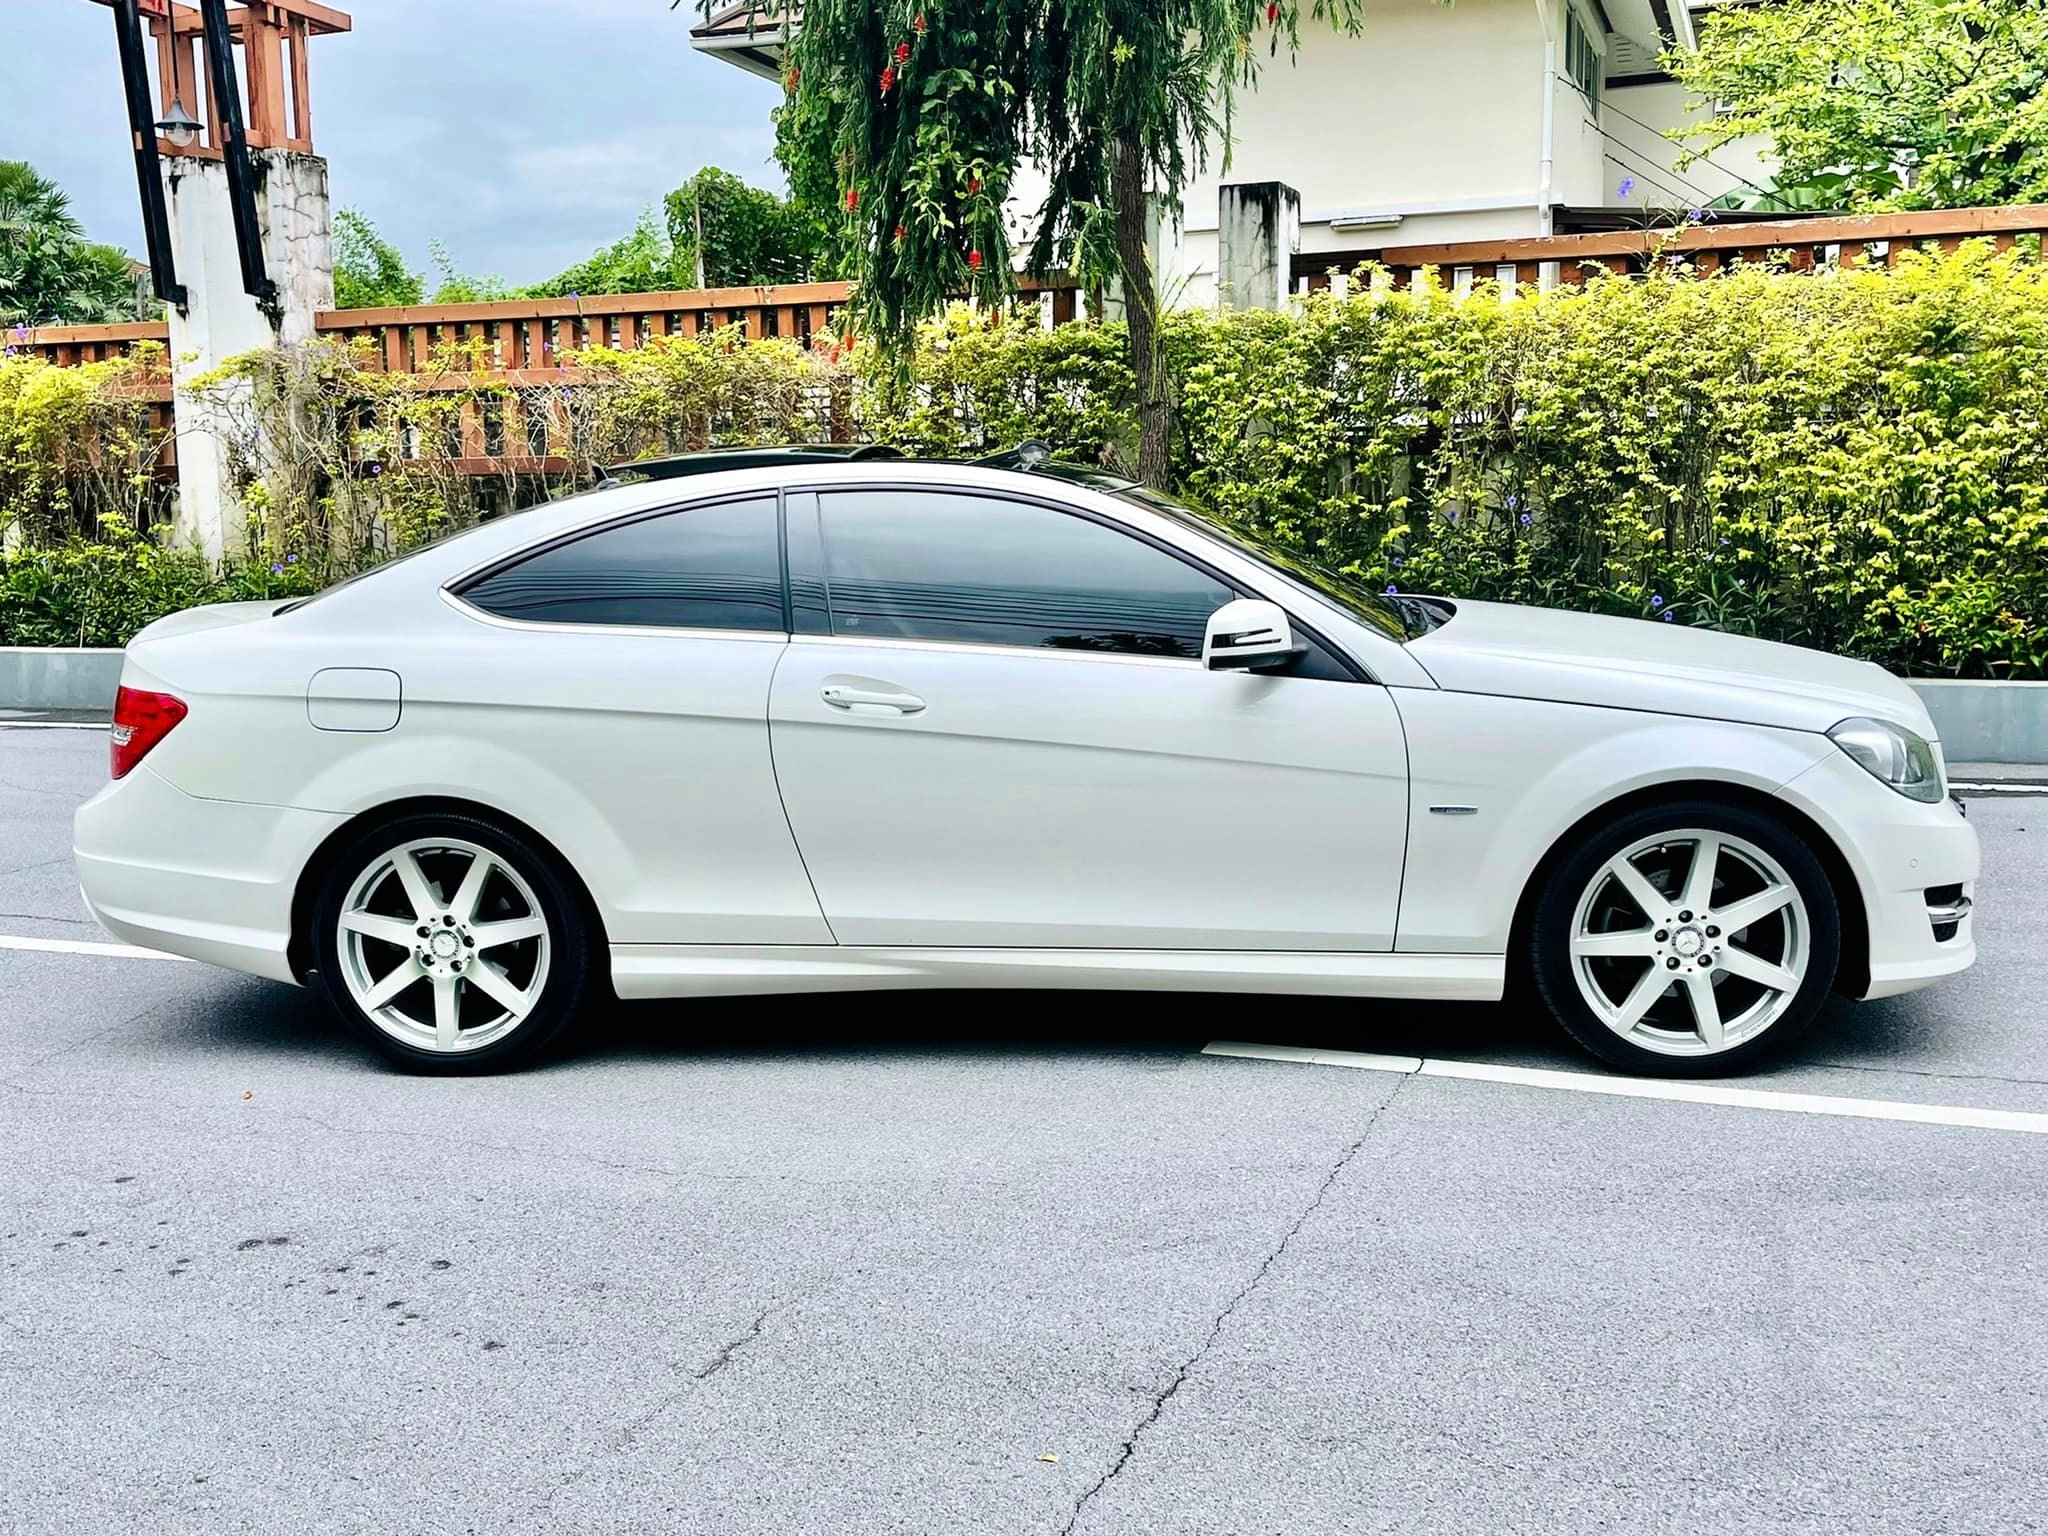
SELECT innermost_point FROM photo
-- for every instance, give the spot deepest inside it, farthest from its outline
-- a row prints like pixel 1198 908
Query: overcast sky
pixel 523 133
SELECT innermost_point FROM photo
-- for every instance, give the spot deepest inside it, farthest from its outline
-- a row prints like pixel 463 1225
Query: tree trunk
pixel 1141 314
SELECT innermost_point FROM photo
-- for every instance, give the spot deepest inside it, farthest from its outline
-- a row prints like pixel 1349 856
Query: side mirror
pixel 1248 635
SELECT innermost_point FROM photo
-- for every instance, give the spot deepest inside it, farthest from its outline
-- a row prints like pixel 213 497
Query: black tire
pixel 1551 965
pixel 570 944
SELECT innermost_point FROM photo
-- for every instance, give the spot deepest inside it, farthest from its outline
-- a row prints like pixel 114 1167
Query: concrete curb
pixel 1978 722
pixel 59 677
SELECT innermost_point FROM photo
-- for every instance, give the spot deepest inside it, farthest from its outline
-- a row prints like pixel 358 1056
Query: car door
pixel 616 681
pixel 993 728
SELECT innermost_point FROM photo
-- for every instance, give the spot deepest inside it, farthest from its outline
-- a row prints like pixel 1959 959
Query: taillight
pixel 141 720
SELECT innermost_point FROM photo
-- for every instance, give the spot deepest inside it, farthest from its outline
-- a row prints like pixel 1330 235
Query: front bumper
pixel 209 879
pixel 1915 865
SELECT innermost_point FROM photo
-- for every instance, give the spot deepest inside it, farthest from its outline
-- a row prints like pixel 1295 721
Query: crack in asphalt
pixel 723 1358
pixel 623 1437
pixel 62 1050
pixel 1162 1398
pixel 1945 1077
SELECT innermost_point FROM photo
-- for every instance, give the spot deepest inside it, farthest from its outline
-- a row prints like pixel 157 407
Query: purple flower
pixel 1628 185
pixel 1450 514
pixel 1528 518
pixel 21 333
pixel 1396 562
pixel 376 469
pixel 1667 618
pixel 1656 601
pixel 291 559
pixel 276 569
pixel 1392 589
pixel 1694 215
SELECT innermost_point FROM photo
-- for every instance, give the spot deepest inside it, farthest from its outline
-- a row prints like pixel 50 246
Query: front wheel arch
pixel 1852 971
pixel 312 878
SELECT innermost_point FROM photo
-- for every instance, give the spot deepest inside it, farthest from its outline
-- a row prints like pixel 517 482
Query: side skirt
pixel 705 970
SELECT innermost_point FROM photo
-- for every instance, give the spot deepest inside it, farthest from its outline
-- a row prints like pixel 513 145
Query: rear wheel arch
pixel 1852 972
pixel 313 877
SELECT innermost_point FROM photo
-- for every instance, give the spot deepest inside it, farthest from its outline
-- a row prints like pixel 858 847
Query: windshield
pixel 1396 617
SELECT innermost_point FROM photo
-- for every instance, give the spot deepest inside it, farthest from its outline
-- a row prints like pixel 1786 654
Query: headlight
pixel 1894 756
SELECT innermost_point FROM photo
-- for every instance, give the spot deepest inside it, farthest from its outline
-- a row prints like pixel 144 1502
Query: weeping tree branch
pixel 910 120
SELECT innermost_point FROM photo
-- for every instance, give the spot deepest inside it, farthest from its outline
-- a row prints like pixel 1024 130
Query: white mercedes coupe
pixel 806 720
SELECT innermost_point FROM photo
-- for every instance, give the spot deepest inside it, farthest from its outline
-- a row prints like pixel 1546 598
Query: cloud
pixel 522 142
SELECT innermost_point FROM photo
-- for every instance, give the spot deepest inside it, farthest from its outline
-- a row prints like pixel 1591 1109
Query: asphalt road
pixel 1026 1264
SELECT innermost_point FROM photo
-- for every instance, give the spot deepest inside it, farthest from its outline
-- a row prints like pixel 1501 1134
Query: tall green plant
pixel 726 234
pixel 50 274
pixel 1881 103
pixel 918 114
pixel 369 271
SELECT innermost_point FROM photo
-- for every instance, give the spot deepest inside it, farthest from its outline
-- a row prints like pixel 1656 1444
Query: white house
pixel 1483 119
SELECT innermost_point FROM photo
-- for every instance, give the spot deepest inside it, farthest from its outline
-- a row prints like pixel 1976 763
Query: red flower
pixel 888 78
pixel 973 185
pixel 902 52
pixel 900 231
pixel 974 260
pixel 789 80
pixel 917 26
pixel 1272 12
pixel 852 198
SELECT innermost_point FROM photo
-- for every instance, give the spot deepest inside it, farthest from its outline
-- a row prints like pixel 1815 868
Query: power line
pixel 1637 173
pixel 1684 189
pixel 1608 103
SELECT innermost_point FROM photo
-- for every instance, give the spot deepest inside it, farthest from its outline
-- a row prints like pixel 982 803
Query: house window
pixel 1581 56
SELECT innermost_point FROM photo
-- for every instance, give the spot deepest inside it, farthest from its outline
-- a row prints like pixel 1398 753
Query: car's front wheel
pixel 451 944
pixel 1686 940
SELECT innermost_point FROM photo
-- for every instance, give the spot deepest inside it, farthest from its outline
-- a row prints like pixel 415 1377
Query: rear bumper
pixel 209 879
pixel 1907 858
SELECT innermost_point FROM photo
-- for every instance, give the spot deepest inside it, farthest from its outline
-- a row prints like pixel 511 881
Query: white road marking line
pixel 2000 787
pixel 82 947
pixel 53 725
pixel 1648 1088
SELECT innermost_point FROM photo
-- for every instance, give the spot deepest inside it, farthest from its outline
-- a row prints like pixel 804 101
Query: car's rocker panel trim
pixel 701 970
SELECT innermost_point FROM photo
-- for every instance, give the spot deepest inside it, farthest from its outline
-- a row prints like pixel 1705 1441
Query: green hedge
pixel 81 593
pixel 1851 460
pixel 1854 460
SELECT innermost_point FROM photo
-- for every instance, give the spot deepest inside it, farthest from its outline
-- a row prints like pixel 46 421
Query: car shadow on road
pixel 1026 1022
pixel 260 1019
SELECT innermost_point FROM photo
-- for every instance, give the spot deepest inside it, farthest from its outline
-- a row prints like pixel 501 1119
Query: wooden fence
pixel 522 344
pixel 1706 247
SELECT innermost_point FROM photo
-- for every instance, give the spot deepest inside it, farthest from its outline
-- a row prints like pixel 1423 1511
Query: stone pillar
pixel 221 321
pixel 1258 230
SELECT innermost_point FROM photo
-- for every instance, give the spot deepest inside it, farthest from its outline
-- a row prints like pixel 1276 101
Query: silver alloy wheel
pixel 443 945
pixel 1690 943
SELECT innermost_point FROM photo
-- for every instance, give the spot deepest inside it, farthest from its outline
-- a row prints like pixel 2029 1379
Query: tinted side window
pixel 922 565
pixel 715 567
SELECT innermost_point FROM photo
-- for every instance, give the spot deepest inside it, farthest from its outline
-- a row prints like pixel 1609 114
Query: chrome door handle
pixel 848 697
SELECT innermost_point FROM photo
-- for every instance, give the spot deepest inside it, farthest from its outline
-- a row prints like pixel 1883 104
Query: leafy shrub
pixel 101 592
pixel 1854 460
pixel 76 443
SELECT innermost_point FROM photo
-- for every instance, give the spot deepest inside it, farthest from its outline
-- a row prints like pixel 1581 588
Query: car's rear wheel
pixel 451 944
pixel 1686 940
